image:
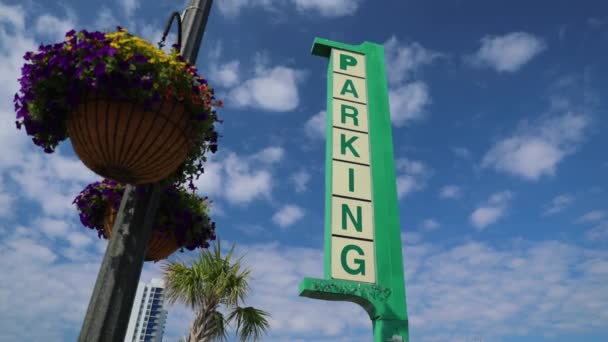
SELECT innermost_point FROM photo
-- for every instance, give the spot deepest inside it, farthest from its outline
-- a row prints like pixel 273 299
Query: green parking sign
pixel 363 256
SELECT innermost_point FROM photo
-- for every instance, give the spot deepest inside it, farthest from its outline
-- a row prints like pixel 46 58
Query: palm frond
pixel 251 323
pixel 181 284
pixel 218 331
pixel 208 282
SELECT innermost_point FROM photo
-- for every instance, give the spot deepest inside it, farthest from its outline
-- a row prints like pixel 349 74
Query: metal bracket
pixel 168 27
pixel 190 7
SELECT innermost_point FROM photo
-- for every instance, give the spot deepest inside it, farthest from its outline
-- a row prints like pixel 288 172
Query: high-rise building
pixel 147 321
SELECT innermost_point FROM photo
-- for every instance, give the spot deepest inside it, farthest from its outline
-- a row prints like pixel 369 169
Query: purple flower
pixel 146 82
pixel 123 65
pixel 100 69
pixel 139 59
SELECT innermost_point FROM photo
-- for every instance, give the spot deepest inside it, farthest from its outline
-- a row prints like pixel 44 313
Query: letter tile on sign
pixel 349 88
pixel 353 260
pixel 352 218
pixel 349 115
pixel 350 146
pixel 349 63
pixel 351 180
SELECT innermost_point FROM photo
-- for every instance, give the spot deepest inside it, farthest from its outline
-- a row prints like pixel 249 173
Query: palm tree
pixel 212 282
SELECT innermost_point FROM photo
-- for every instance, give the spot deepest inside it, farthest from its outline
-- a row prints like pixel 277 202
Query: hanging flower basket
pixel 124 141
pixel 160 246
pixel 181 221
pixel 133 113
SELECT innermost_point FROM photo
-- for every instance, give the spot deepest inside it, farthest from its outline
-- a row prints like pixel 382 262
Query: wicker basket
pixel 160 246
pixel 119 140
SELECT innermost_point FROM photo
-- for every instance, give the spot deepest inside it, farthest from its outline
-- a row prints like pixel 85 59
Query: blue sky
pixel 497 113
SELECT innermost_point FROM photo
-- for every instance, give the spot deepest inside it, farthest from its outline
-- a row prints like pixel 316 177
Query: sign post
pixel 363 258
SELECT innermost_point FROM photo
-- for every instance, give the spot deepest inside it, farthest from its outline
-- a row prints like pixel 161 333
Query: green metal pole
pixel 389 330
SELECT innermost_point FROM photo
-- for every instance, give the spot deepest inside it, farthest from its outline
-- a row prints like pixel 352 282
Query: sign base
pixel 369 296
pixel 388 327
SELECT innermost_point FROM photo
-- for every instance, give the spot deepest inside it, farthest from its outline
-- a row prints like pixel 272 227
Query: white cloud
pixel 53 27
pixel 329 8
pixel 405 185
pixel 6 202
pixel 225 75
pixel 558 203
pixel 475 289
pixel 52 181
pixel 535 150
pixel 316 126
pixel 106 19
pixel 14 42
pixel 592 216
pixel 52 228
pixel 129 6
pixel 79 240
pixel 240 179
pixel 598 233
pixel 50 293
pixel 403 60
pixel 242 184
pixel 412 176
pixel 485 216
pixel 461 152
pixel 450 191
pixel 410 238
pixel 300 180
pixel 507 53
pixel 414 167
pixel 326 8
pixel 430 225
pixel 408 99
pixel 30 248
pixel 13 15
pixel 210 182
pixel 233 7
pixel 270 154
pixel 528 157
pixel 288 215
pixel 408 102
pixel 490 212
pixel 273 90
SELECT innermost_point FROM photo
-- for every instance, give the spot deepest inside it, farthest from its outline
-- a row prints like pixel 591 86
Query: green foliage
pixel 210 283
